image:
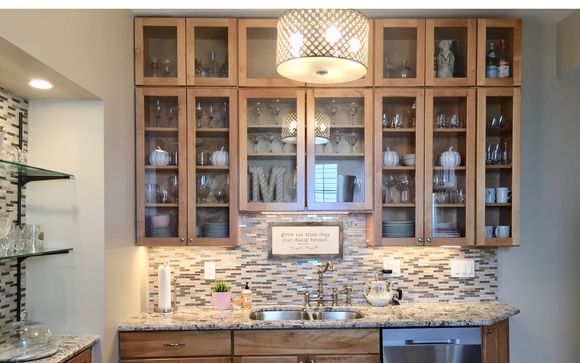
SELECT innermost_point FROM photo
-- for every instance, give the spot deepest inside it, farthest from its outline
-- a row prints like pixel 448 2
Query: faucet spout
pixel 321 270
pixel 327 266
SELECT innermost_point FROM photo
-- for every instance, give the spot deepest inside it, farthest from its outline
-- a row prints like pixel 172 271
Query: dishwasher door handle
pixel 432 342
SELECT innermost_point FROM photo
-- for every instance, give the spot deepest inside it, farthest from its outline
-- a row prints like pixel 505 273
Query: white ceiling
pixel 18 67
pixel 543 16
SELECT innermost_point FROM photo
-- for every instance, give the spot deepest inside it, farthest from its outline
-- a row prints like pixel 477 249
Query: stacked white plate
pixel 400 229
pixel 446 230
pixel 216 230
pixel 161 232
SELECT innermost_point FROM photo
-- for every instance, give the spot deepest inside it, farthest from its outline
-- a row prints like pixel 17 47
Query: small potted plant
pixel 221 295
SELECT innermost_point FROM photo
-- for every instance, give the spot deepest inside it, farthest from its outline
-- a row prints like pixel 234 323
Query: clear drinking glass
pixel 203 187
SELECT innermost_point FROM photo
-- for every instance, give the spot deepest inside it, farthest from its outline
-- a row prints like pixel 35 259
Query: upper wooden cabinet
pixel 399 52
pixel 498 166
pixel 159 51
pixel 257 54
pixel 211 52
pixel 493 31
pixel 450 52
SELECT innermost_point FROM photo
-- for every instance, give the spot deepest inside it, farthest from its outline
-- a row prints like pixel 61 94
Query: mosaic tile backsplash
pixel 10 106
pixel 425 271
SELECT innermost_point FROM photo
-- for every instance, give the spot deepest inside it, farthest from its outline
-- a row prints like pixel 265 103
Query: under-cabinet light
pixel 40 84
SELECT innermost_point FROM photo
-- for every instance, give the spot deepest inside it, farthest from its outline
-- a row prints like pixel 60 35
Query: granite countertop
pixel 404 315
pixel 68 346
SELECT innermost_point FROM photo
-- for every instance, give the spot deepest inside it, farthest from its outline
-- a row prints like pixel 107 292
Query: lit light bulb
pixel 354 44
pixel 332 34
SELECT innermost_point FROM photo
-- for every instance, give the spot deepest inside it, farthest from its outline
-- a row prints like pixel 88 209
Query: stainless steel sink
pixel 337 315
pixel 279 315
pixel 304 315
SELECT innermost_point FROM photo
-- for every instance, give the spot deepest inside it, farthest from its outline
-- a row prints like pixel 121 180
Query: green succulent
pixel 220 286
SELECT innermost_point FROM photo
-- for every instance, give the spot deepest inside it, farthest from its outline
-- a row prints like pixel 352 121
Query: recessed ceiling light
pixel 40 84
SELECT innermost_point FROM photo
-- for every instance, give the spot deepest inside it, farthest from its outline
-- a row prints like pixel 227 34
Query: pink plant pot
pixel 221 300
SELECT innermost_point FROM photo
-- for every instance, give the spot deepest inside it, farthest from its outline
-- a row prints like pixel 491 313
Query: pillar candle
pixel 164 277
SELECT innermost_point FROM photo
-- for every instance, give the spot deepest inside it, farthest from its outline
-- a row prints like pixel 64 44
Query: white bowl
pixel 160 220
pixel 408 159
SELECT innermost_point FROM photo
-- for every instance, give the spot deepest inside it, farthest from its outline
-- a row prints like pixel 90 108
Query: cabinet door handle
pixel 172 345
pixel 429 240
pixel 489 331
pixel 420 240
pixel 191 240
pixel 311 361
pixel 182 239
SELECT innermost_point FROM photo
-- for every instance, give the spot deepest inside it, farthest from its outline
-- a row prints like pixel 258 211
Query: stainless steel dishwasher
pixel 432 345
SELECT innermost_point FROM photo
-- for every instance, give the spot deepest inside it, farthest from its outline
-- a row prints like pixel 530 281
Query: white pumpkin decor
pixel 220 158
pixel 390 158
pixel 159 157
pixel 450 158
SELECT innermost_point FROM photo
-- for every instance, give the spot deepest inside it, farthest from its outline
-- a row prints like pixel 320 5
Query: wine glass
pixel 404 184
pixel 332 108
pixel 221 194
pixel 226 114
pixel 276 108
pixel 171 114
pixel 198 113
pixel 352 139
pixel 336 138
pixel 166 67
pixel 254 139
pixel 353 112
pixel 211 110
pixel 154 67
pixel 174 188
pixel 258 111
pixel 203 187
pixel 389 182
pixel 157 110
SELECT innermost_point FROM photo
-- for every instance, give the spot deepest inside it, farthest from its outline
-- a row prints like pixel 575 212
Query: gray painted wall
pixel 541 276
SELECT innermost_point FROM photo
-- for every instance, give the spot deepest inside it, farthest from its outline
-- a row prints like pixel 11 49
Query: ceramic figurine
pixel 445 59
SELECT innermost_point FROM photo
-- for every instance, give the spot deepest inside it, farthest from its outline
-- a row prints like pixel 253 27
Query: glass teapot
pixel 380 292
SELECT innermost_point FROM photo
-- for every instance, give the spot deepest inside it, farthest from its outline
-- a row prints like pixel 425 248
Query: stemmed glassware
pixel 226 114
pixel 404 184
pixel 221 194
pixel 157 111
pixel 211 110
pixel 203 187
pixel 258 111
pixel 352 139
pixel 292 186
pixel 389 182
pixel 353 112
pixel 332 108
pixel 276 109
pixel 171 114
pixel 336 138
pixel 174 188
pixel 254 139
pixel 198 113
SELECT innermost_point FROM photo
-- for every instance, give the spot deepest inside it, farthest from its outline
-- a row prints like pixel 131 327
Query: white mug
pixel 490 195
pixel 503 195
pixel 502 231
pixel 489 231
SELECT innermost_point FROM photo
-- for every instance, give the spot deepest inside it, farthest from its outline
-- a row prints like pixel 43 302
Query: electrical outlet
pixel 394 265
pixel 209 270
pixel 462 268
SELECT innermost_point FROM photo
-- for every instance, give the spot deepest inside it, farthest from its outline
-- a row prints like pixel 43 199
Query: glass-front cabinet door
pixel 159 51
pixel 399 162
pixel 339 149
pixel 499 52
pixel 498 166
pixel 400 52
pixel 161 166
pixel 450 166
pixel 257 54
pixel 212 129
pixel 211 52
pixel 450 52
pixel 272 142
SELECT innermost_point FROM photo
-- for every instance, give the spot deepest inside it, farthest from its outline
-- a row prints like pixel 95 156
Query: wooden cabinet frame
pixel 469 161
pixel 516 64
pixel 232 26
pixel 244 80
pixel 482 94
pixel 419 95
pixel 140 129
pixel 495 346
pixel 232 168
pixel 430 77
pixel 244 96
pixel 380 26
pixel 366 94
pixel 140 79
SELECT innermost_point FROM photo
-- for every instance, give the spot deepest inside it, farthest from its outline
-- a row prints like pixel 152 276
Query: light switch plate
pixel 464 268
pixel 209 270
pixel 394 265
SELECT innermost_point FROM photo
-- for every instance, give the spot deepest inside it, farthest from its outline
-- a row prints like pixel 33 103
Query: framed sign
pixel 303 239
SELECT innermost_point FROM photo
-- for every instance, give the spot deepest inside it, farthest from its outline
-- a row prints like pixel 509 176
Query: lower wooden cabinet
pixel 495 342
pixel 181 360
pixel 83 357
pixel 366 358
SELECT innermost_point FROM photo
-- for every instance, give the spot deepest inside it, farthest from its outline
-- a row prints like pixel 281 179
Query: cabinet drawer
pixel 374 358
pixel 181 360
pixel 84 357
pixel 301 342
pixel 174 344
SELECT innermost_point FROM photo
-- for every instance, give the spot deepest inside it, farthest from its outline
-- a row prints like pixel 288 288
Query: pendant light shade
pixel 322 45
pixel 321 128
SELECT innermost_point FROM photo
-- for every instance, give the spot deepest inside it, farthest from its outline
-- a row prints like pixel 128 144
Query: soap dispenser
pixel 246 296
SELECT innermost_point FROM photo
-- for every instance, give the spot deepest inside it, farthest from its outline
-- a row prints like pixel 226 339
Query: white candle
pixel 164 277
